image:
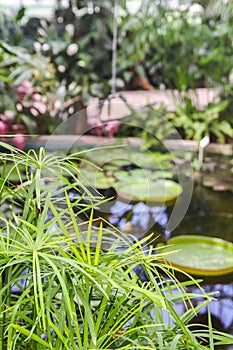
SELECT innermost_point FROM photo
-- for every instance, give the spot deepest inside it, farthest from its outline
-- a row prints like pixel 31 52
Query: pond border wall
pixel 62 141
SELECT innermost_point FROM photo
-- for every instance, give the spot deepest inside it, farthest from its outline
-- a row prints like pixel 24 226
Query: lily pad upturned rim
pixel 195 240
pixel 96 179
pixel 124 194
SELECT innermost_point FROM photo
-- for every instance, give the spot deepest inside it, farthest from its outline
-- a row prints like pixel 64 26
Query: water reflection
pixel 210 214
pixel 221 308
pixel 140 219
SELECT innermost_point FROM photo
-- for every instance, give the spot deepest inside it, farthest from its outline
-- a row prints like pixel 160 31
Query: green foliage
pixel 189 52
pixel 197 124
pixel 184 47
pixel 76 287
pixel 69 57
pixel 66 58
pixel 29 90
pixel 148 122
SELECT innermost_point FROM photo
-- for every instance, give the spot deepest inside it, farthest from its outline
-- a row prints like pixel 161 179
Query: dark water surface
pixel 210 213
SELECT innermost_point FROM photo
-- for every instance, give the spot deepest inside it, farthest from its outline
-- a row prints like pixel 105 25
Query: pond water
pixel 209 214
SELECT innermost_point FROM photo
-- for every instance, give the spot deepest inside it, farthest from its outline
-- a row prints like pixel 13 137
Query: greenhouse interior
pixel 116 174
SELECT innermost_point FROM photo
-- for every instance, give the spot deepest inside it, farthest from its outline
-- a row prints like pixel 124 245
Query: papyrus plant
pixel 68 283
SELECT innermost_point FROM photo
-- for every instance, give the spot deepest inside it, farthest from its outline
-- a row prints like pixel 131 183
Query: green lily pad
pixel 120 162
pixel 142 174
pixel 152 160
pixel 108 155
pixel 96 179
pixel 200 255
pixel 122 157
pixel 123 175
pixel 158 191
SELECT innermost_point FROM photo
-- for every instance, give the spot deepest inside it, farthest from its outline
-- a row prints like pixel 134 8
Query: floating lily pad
pixel 158 191
pixel 122 157
pixel 120 162
pixel 142 174
pixel 123 175
pixel 200 255
pixel 152 160
pixel 96 179
pixel 108 155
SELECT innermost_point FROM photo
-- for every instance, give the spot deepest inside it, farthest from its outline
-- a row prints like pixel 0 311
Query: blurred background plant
pixel 64 61
pixel 148 122
pixel 195 124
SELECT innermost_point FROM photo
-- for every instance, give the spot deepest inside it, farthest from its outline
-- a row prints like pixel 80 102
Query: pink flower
pixel 97 126
pixel 94 121
pixel 111 127
pixel 98 131
pixel 24 89
pixel 19 141
pixel 25 86
pixel 4 127
pixel 36 97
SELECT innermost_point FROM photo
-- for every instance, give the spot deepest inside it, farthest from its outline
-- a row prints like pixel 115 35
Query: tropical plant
pixel 149 122
pixel 196 124
pixel 71 284
pixel 66 61
pixel 31 99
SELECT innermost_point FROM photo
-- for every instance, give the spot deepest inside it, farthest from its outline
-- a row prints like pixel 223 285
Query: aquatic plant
pixel 68 283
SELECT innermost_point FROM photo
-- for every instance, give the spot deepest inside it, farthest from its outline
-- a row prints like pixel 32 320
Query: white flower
pixel 9 114
pixel 37 46
pixel 70 29
pixel 72 49
pixel 196 9
pixel 45 47
pixel 61 68
pixel 133 6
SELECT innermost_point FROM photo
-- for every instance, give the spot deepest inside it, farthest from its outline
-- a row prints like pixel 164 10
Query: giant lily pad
pixel 95 178
pixel 152 160
pixel 158 191
pixel 142 175
pixel 123 156
pixel 110 155
pixel 200 255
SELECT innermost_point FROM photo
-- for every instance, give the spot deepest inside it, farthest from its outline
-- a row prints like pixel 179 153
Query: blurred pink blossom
pixel 4 126
pixel 94 121
pixel 97 126
pixel 19 141
pixel 24 89
pixel 36 97
pixel 111 127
